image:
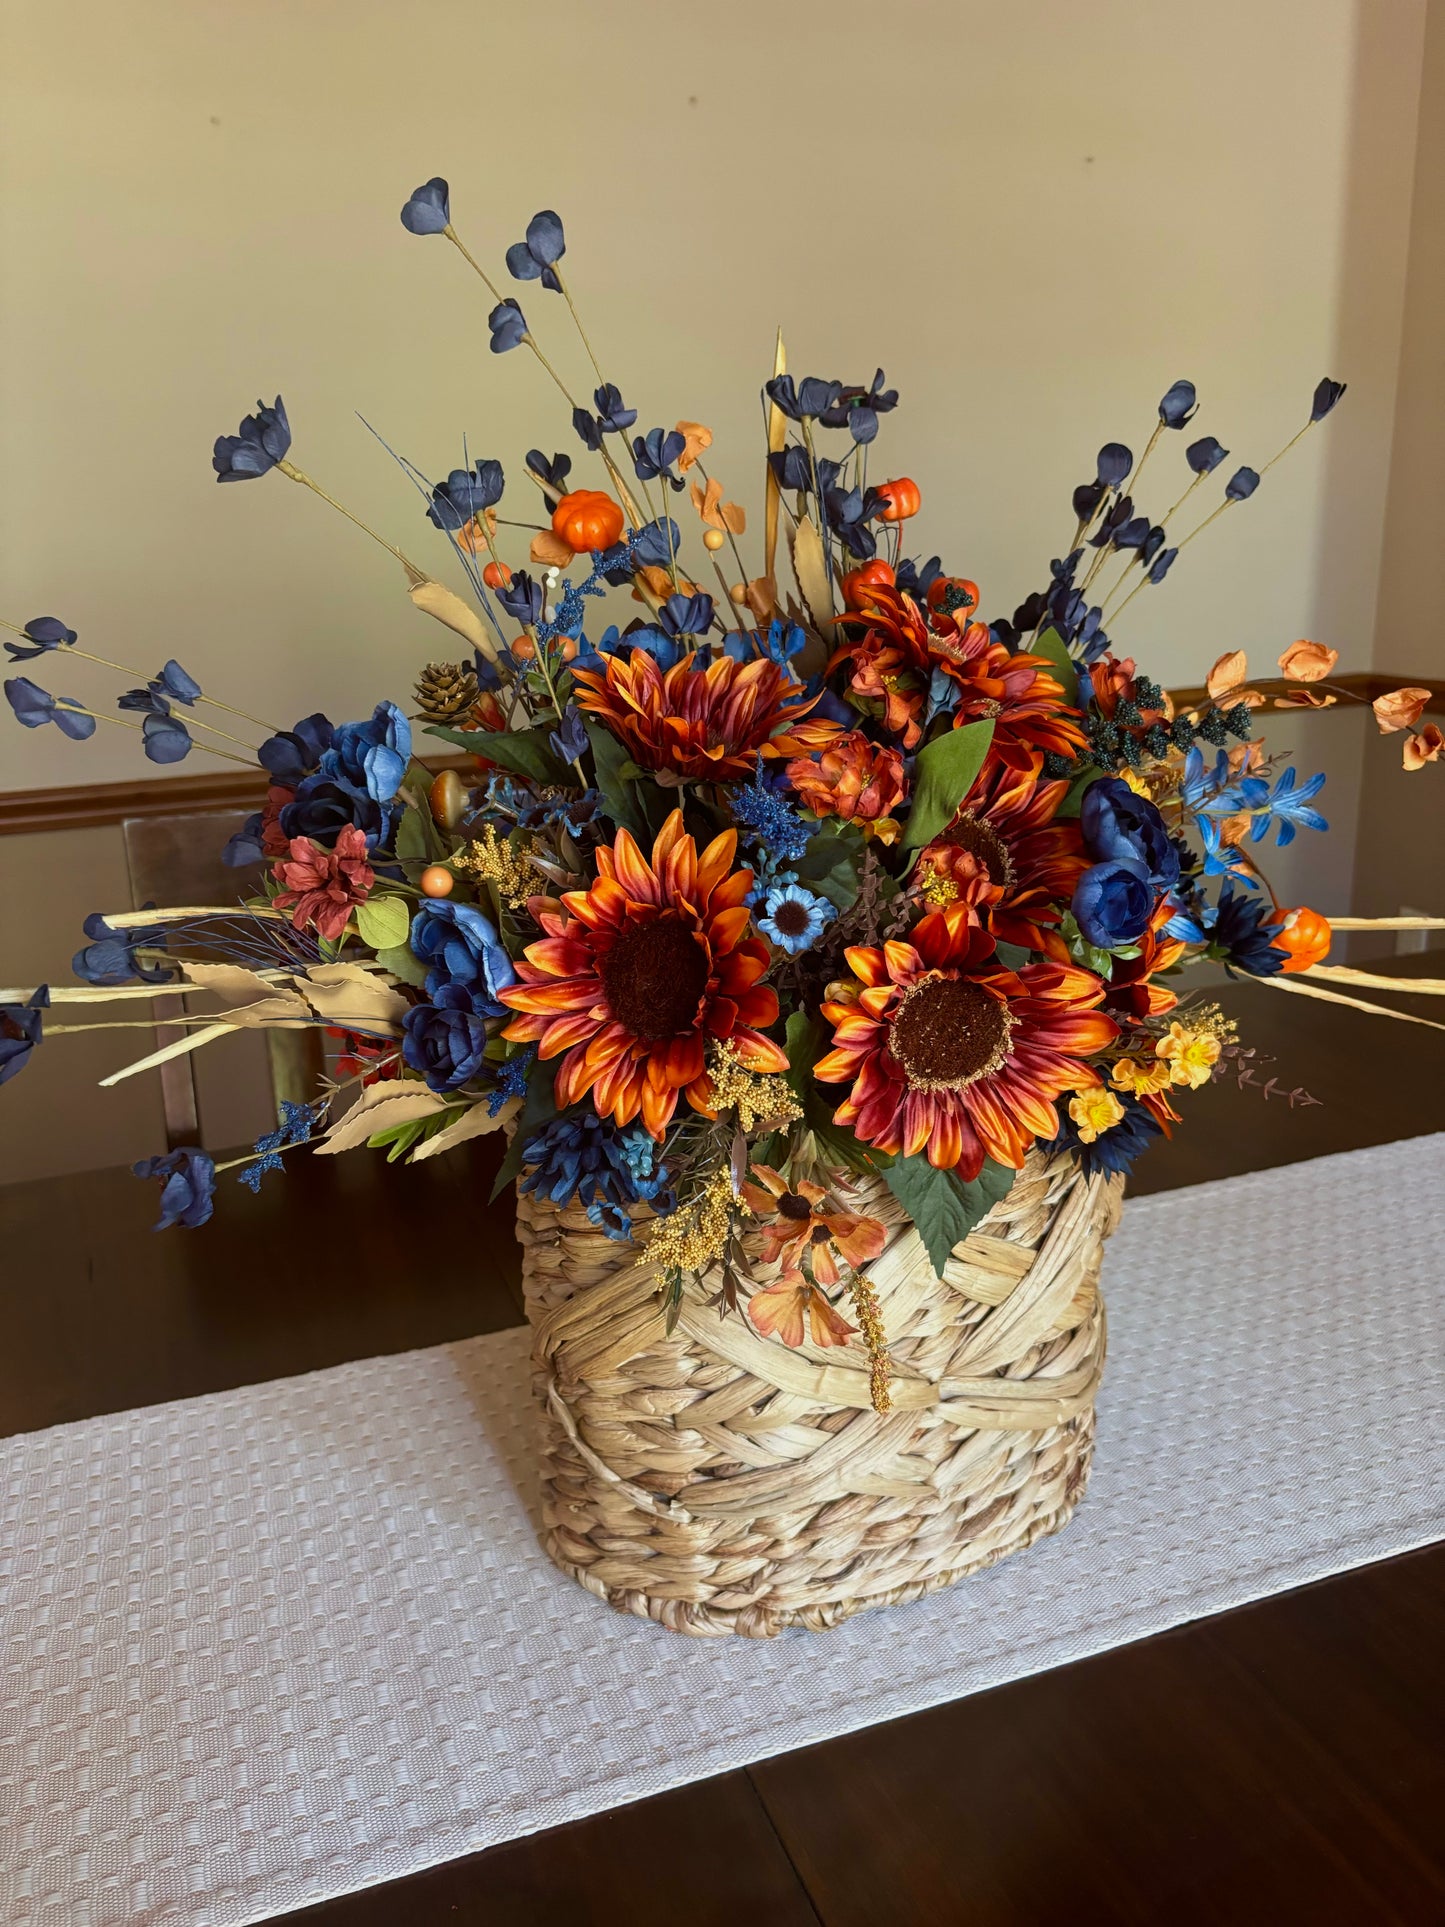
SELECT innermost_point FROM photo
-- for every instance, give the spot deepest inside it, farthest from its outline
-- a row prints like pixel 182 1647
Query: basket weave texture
pixel 721 1482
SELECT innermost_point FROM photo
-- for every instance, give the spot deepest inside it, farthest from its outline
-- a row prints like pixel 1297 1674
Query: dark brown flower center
pixel 980 841
pixel 950 1032
pixel 654 976
pixel 790 917
pixel 792 1205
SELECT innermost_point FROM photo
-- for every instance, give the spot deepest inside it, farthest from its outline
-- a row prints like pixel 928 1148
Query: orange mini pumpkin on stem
pixel 587 520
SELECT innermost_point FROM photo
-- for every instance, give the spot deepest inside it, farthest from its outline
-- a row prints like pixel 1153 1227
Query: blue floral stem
pixel 79 709
pixel 294 474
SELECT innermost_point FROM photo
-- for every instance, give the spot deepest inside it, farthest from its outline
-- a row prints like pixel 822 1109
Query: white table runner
pixel 265 1647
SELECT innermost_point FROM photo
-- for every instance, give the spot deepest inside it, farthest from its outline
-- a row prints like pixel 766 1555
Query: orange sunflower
pixel 949 1051
pixel 710 723
pixel 638 971
pixel 1010 858
pixel 896 648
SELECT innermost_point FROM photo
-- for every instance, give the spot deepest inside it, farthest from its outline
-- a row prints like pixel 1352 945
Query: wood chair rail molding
pixel 89 806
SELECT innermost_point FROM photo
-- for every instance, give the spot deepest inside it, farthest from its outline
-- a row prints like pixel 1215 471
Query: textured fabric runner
pixel 262 1648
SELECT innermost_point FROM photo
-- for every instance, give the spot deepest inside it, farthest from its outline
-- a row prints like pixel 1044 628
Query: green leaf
pixel 402 963
pixel 830 864
pixel 1074 799
pixel 526 752
pixel 383 922
pixel 942 777
pixel 614 781
pixel 397 1139
pixel 803 1041
pixel 943 1206
pixel 1012 956
pixel 538 1108
pixel 412 843
pixel 1052 645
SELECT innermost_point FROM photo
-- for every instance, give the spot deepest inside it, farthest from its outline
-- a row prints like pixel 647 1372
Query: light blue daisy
pixel 794 918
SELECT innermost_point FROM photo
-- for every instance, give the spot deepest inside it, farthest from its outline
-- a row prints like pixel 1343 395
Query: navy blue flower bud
pixel 264 440
pixel 1241 485
pixel 521 598
pixel 532 259
pixel 44 633
pixel 508 325
pixel 429 209
pixel 1205 455
pixel 553 473
pixel 1179 405
pixel 33 707
pixel 466 493
pixel 1326 395
pixel 1114 463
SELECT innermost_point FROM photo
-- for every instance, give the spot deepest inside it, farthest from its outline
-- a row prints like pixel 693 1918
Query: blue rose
pixel 1121 826
pixel 189 1189
pixel 323 806
pixel 293 753
pixel 459 944
pixel 372 756
pixel 446 1040
pixel 1113 903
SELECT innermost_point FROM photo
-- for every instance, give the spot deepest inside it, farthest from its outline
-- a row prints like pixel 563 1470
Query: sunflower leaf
pixel 942 777
pixel 944 1207
pixel 1052 646
pixel 1074 798
pixel 526 752
pixel 614 781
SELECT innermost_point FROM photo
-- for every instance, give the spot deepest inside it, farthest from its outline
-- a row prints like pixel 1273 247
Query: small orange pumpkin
pixel 873 575
pixel 903 499
pixel 964 598
pixel 587 520
pixel 1304 934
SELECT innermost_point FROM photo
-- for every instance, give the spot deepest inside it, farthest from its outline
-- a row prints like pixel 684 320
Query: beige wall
pixel 1035 217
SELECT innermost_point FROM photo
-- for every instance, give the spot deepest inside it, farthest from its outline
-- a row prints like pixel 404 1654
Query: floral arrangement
pixel 769 881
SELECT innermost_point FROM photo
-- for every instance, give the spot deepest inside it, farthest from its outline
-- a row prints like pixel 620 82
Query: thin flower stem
pixel 1183 499
pixel 732 539
pixel 225 734
pixel 295 474
pixel 79 709
pixel 723 583
pixel 1287 447
pixel 457 242
pixel 1148 451
pixel 572 306
pixel 822 515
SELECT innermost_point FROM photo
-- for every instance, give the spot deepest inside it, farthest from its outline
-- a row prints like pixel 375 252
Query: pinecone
pixel 445 691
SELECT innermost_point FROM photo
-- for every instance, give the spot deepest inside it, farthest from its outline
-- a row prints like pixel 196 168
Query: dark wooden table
pixel 1280 1763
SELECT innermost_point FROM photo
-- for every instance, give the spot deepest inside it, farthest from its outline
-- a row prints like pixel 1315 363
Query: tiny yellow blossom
pixel 1142 1078
pixel 1135 781
pixel 1190 1054
pixel 1094 1111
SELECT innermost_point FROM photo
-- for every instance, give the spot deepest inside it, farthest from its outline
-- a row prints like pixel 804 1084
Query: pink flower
pixel 323 886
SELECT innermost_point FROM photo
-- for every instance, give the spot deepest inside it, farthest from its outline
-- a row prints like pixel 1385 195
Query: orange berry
pixel 496 575
pixel 436 881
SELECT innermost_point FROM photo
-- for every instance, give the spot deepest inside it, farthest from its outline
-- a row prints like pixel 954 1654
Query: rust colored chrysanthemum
pixel 894 647
pixel 707 723
pixel 637 972
pixel 1010 857
pixel 853 779
pixel 950 1052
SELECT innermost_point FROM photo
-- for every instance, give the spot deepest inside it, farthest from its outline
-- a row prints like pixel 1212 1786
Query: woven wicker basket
pixel 721 1483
